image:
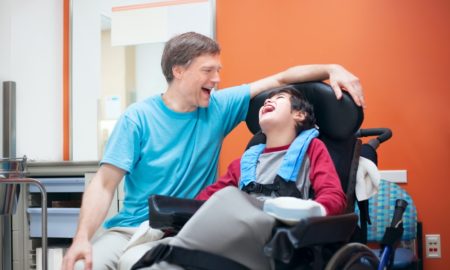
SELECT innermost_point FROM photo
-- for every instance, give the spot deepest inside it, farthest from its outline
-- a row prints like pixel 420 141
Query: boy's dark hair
pixel 298 103
pixel 181 49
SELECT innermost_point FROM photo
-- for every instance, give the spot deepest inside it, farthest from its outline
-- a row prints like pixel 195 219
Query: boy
pixel 281 127
pixel 292 163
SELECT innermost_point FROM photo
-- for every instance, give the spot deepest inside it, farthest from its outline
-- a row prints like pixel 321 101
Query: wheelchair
pixel 330 242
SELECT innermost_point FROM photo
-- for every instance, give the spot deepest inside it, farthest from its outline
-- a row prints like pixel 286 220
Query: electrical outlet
pixel 433 245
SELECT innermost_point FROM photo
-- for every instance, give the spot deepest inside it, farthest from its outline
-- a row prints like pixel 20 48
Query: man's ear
pixel 178 71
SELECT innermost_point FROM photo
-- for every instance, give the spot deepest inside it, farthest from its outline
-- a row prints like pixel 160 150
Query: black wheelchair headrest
pixel 337 119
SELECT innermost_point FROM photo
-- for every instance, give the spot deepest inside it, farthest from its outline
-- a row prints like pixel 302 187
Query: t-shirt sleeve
pixel 233 104
pixel 122 147
pixel 230 178
pixel 325 180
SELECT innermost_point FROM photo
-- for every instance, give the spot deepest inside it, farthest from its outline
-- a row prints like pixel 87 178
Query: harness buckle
pixel 253 187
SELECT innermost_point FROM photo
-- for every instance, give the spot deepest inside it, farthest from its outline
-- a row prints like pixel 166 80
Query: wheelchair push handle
pixel 383 134
pixel 400 207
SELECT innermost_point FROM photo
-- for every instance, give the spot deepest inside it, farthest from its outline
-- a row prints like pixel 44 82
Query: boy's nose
pixel 267 101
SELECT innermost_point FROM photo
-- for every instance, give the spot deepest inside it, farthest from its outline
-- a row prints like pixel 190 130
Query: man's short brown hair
pixel 182 49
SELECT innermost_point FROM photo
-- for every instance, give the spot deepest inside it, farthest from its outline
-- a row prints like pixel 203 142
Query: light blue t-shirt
pixel 170 153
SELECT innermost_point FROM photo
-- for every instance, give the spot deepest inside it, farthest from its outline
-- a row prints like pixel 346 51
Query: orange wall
pixel 400 50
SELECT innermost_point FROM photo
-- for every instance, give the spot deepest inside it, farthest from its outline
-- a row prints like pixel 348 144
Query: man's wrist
pixel 81 236
pixel 330 68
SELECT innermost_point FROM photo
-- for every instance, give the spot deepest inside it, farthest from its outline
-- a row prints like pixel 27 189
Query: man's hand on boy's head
pixel 341 79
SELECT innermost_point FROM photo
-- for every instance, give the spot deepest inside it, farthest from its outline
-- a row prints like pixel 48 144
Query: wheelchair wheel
pixel 353 256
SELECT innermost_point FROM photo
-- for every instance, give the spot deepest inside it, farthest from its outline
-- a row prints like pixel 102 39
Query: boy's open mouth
pixel 267 108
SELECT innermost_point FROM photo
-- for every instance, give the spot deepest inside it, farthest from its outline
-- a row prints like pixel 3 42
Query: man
pixel 170 144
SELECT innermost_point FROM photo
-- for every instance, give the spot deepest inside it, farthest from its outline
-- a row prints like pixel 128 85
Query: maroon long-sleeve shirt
pixel 322 175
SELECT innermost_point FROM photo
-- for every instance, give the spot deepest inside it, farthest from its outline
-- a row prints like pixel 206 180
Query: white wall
pixel 149 77
pixel 5 49
pixel 31 55
pixel 86 77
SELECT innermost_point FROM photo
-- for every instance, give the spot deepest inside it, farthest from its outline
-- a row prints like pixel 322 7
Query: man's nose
pixel 216 77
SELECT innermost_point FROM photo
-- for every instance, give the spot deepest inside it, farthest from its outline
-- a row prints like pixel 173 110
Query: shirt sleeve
pixel 123 146
pixel 230 178
pixel 325 180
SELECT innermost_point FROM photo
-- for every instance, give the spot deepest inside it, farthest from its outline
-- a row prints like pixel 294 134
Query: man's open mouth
pixel 207 90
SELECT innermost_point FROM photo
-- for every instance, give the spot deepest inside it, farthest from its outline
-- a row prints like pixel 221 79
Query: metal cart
pixel 13 172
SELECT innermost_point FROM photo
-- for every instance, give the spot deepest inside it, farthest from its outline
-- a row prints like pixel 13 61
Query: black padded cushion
pixel 337 119
pixel 171 213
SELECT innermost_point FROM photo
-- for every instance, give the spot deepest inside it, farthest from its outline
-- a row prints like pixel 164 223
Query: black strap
pixel 258 188
pixel 187 258
pixel 280 187
pixel 364 219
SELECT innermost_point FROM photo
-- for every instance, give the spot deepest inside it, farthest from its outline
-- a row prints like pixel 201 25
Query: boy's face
pixel 276 113
pixel 198 79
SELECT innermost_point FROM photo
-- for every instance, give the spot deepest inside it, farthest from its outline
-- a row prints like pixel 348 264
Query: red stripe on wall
pixel 66 80
pixel 156 4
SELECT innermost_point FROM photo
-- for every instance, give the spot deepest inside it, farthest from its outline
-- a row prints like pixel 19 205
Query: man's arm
pixel 340 79
pixel 96 202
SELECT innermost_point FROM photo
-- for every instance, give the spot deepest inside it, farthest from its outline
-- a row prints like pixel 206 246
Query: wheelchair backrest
pixel 338 121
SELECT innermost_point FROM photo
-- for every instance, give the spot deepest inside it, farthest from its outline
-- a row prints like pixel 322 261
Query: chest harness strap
pixel 284 183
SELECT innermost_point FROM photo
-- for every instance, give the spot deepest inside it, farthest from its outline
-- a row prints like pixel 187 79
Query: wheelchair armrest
pixel 312 231
pixel 170 213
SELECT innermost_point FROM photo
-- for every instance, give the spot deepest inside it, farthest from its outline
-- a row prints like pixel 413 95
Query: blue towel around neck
pixel 290 165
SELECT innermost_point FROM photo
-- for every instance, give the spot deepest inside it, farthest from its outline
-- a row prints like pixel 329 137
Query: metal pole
pixel 43 212
pixel 9 119
pixel 9 150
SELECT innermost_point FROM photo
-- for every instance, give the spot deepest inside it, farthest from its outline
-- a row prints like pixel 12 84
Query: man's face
pixel 276 113
pixel 198 79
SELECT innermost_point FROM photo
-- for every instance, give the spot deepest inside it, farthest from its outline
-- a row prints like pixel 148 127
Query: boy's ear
pixel 299 116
